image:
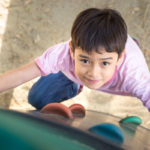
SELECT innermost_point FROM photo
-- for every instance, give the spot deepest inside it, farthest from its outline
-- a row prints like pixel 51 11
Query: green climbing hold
pixel 132 119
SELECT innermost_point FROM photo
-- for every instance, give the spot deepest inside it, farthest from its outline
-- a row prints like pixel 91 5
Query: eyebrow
pixel 83 56
pixel 100 58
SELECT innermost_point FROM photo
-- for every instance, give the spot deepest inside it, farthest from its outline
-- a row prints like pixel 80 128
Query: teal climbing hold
pixel 132 119
pixel 109 131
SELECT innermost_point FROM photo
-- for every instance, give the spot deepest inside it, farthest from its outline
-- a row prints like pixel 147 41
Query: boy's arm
pixel 19 76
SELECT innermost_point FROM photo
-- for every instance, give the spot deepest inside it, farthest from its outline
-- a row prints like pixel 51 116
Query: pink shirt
pixel 131 78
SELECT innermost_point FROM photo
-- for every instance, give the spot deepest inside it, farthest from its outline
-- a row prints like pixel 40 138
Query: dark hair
pixel 94 28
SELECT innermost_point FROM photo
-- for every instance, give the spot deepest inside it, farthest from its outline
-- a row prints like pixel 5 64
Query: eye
pixel 105 63
pixel 85 61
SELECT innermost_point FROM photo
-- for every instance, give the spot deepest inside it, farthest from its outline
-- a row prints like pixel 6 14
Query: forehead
pixel 102 53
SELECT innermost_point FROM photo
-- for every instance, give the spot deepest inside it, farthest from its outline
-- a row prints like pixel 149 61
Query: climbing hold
pixel 132 119
pixel 78 110
pixel 109 131
pixel 57 108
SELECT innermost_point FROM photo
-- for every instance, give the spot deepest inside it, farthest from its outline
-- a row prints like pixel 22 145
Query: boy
pixel 100 55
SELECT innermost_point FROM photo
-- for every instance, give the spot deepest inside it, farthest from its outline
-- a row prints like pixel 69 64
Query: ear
pixel 71 50
pixel 121 57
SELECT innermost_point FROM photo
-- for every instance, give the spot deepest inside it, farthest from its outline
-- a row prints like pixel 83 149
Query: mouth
pixel 92 81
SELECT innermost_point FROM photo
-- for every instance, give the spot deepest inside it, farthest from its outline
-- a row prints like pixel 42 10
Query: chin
pixel 93 87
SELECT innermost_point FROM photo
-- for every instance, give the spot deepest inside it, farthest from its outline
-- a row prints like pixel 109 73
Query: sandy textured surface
pixel 29 27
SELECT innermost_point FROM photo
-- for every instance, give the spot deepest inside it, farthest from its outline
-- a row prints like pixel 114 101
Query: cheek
pixel 80 70
pixel 77 68
pixel 109 72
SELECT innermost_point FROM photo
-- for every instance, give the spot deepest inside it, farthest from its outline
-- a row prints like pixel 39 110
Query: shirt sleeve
pixel 54 59
pixel 136 74
pixel 139 85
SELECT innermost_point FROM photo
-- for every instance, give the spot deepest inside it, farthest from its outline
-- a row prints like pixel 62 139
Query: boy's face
pixel 95 69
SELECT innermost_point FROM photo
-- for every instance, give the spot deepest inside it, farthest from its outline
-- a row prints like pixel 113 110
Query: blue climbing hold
pixel 109 131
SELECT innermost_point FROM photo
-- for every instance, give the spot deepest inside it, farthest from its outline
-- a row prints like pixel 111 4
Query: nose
pixel 94 71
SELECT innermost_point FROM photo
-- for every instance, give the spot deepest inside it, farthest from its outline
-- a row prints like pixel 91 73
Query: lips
pixel 92 81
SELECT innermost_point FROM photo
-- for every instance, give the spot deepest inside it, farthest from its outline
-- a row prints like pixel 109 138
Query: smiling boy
pixel 96 69
pixel 100 55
